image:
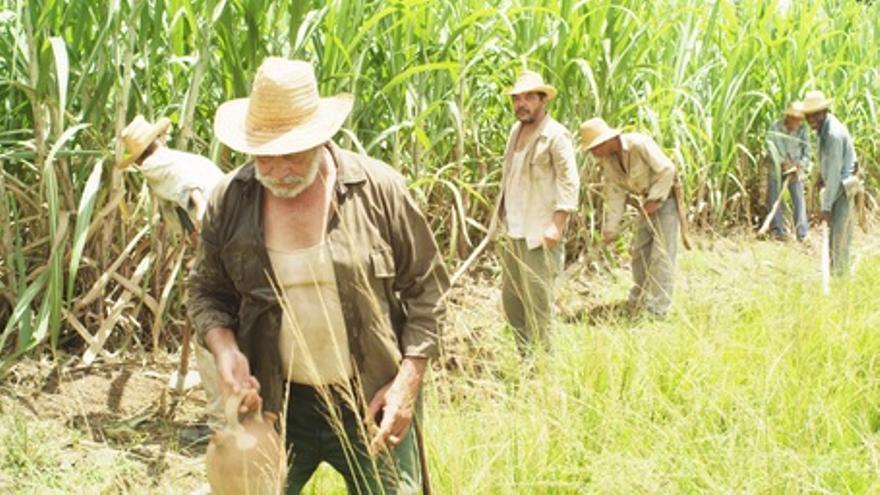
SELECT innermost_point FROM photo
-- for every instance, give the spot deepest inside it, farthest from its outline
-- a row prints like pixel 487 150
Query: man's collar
pixel 541 130
pixel 348 170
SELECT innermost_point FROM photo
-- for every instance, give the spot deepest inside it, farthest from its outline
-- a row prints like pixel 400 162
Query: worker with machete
pixel 837 178
pixel 184 181
pixel 635 166
pixel 789 149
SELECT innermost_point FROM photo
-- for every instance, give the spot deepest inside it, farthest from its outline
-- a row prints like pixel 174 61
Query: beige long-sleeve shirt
pixel 543 181
pixel 641 169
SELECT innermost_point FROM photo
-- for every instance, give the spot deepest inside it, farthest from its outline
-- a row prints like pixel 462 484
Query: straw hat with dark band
pixel 795 109
pixel 138 135
pixel 595 132
pixel 531 82
pixel 284 114
pixel 815 101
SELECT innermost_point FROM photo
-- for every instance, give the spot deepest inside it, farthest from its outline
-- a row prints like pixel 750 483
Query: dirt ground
pixel 126 406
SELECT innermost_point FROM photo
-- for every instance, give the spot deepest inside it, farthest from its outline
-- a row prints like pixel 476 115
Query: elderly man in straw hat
pixel 837 163
pixel 539 190
pixel 789 148
pixel 634 165
pixel 184 180
pixel 318 279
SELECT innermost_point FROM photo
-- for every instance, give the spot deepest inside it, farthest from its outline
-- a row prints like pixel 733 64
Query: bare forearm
pixel 219 339
pixel 409 376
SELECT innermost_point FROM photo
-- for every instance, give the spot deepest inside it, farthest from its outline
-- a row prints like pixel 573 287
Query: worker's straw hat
pixel 138 135
pixel 595 132
pixel 815 101
pixel 284 114
pixel 795 109
pixel 531 82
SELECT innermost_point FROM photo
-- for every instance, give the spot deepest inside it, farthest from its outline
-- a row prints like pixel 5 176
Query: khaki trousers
pixel 528 287
pixel 653 259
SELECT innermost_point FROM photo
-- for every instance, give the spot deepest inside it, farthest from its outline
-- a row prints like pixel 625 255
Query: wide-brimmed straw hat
pixel 795 109
pixel 284 114
pixel 138 135
pixel 530 81
pixel 595 132
pixel 815 101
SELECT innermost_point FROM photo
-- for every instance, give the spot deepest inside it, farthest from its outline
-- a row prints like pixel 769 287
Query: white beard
pixel 290 186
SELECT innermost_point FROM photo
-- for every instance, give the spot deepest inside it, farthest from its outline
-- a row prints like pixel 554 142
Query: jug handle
pixel 233 404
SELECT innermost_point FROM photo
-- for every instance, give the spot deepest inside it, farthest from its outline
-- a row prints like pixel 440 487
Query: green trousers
pixel 528 285
pixel 318 432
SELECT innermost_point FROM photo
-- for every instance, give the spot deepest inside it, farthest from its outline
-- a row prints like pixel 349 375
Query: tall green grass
pixel 756 384
pixel 705 78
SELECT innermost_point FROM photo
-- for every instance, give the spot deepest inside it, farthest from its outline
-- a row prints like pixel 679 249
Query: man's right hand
pixel 233 368
pixel 608 237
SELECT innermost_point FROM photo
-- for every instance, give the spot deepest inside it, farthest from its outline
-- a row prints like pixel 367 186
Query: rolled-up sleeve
pixel 567 179
pixel 213 301
pixel 663 171
pixel 421 278
pixel 165 181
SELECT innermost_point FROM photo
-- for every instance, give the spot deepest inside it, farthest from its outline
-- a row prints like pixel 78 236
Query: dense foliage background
pixel 83 252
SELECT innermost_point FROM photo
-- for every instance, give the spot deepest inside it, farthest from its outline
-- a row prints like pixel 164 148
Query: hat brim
pixel 601 138
pixel 230 129
pixel 816 107
pixel 550 91
pixel 159 128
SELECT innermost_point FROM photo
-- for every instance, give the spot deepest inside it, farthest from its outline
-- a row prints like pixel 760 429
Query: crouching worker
pixel 182 181
pixel 633 164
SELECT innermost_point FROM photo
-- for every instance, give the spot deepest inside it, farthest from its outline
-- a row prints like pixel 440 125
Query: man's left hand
pixel 825 216
pixel 396 401
pixel 651 207
pixel 552 236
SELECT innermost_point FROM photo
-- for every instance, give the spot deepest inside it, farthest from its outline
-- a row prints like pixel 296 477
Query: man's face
pixel 792 122
pixel 816 119
pixel 287 176
pixel 604 149
pixel 528 106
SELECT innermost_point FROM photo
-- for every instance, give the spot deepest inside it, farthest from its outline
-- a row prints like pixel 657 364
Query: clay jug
pixel 247 457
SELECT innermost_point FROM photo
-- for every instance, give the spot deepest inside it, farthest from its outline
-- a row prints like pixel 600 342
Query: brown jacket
pixel 389 274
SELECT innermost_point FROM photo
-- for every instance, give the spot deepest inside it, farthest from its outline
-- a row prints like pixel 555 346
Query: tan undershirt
pixel 314 343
